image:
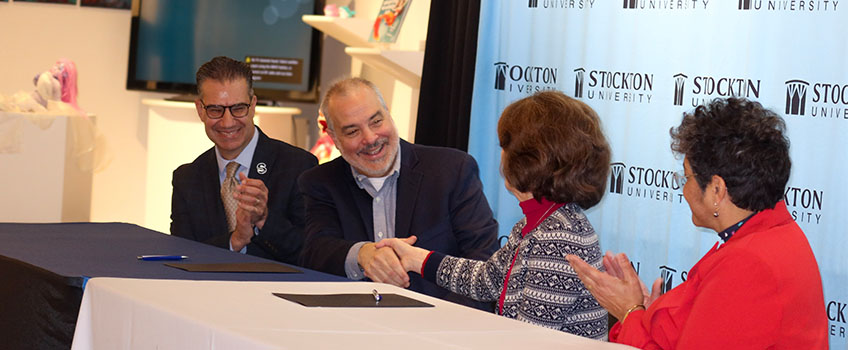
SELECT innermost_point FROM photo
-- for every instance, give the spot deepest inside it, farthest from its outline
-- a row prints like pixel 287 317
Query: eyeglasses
pixel 680 177
pixel 238 110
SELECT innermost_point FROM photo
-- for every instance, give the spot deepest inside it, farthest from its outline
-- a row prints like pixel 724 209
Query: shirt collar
pixel 244 158
pixel 728 232
pixel 536 211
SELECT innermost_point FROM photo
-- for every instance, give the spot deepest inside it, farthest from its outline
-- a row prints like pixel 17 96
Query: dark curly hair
pixel 555 149
pixel 743 143
pixel 224 69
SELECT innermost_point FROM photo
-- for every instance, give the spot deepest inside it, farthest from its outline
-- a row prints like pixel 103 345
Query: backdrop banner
pixel 641 64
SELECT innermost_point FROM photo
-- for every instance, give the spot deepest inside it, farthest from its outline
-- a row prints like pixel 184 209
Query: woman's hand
pixel 411 258
pixel 617 291
pixel 615 270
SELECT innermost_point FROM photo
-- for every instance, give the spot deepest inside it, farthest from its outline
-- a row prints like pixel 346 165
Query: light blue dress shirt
pixel 383 192
pixel 243 159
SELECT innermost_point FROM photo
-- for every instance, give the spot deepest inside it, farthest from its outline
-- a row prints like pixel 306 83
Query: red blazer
pixel 760 290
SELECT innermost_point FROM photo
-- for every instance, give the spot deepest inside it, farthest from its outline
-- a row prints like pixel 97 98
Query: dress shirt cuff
pixel 243 249
pixel 352 268
pixel 431 266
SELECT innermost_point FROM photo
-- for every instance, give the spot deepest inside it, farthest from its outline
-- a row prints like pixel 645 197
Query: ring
pixel 257 200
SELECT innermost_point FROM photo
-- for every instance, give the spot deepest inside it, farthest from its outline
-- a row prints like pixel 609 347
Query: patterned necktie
pixel 227 189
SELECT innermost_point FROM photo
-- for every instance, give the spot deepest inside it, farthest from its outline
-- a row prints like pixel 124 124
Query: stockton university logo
pixel 705 88
pixel 679 83
pixel 667 274
pixel 788 5
pixel 562 4
pixel 616 177
pixel 500 75
pixel 836 315
pixel 644 183
pixel 578 83
pixel 666 4
pixel 613 85
pixel 525 79
pixel 796 97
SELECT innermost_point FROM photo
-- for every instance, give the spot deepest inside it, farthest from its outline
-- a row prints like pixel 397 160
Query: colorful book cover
pixel 389 20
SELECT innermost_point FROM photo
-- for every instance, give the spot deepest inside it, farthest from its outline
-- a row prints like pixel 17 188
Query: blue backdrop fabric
pixel 641 64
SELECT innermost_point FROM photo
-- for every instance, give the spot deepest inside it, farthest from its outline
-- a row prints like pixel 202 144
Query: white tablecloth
pixel 119 313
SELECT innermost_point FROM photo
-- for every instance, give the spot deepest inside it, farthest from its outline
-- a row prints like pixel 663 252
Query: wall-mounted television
pixel 170 39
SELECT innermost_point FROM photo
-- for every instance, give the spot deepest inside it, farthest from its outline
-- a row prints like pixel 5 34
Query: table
pixel 44 269
pixel 119 313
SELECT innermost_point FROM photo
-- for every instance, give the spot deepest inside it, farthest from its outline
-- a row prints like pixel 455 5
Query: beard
pixel 378 167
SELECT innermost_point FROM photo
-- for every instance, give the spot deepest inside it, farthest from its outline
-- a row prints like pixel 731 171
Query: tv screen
pixel 170 39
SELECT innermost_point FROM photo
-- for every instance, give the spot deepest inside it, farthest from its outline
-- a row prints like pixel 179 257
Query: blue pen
pixel 161 257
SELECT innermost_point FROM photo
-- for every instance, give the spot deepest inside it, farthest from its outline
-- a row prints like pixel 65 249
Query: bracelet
pixel 633 308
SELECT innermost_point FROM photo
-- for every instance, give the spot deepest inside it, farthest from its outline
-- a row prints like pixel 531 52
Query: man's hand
pixel 244 230
pixel 382 265
pixel 410 257
pixel 252 197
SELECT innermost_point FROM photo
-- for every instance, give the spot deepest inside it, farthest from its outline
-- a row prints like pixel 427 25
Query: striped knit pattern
pixel 543 289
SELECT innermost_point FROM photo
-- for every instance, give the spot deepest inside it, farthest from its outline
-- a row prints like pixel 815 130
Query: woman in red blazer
pixel 759 287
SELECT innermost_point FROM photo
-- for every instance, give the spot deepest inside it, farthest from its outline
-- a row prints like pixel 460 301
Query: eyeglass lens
pixel 237 110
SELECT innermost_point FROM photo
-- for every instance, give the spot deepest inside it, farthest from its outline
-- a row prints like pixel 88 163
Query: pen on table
pixel 377 296
pixel 161 257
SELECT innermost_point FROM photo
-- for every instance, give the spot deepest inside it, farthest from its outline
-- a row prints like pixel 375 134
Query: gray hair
pixel 343 87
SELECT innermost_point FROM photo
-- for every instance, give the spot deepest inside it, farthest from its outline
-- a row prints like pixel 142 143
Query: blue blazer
pixel 197 212
pixel 439 199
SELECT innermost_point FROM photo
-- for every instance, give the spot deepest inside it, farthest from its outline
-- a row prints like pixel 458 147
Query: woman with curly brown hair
pixel 555 160
pixel 759 287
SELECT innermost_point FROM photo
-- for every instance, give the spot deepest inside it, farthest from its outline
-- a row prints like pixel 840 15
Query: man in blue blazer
pixel 265 215
pixel 384 187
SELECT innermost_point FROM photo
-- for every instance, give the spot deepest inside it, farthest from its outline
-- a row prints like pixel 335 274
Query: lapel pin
pixel 261 168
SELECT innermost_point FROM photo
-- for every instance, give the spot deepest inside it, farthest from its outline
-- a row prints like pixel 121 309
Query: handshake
pixel 388 260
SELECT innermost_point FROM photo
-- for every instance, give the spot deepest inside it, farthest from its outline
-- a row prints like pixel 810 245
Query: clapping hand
pixel 252 197
pixel 619 289
pixel 615 270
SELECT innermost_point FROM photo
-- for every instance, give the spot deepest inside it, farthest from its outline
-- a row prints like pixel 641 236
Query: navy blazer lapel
pixel 263 159
pixel 409 184
pixel 210 189
pixel 361 200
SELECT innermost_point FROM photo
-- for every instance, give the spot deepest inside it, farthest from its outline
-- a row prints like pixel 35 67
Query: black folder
pixel 268 267
pixel 352 300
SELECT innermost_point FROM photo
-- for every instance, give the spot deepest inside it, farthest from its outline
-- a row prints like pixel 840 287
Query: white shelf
pixel 349 31
pixel 404 65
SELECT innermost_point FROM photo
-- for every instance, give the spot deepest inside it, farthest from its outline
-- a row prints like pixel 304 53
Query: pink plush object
pixel 331 10
pixel 65 71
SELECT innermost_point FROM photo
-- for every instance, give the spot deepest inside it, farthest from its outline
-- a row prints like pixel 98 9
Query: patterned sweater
pixel 543 289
